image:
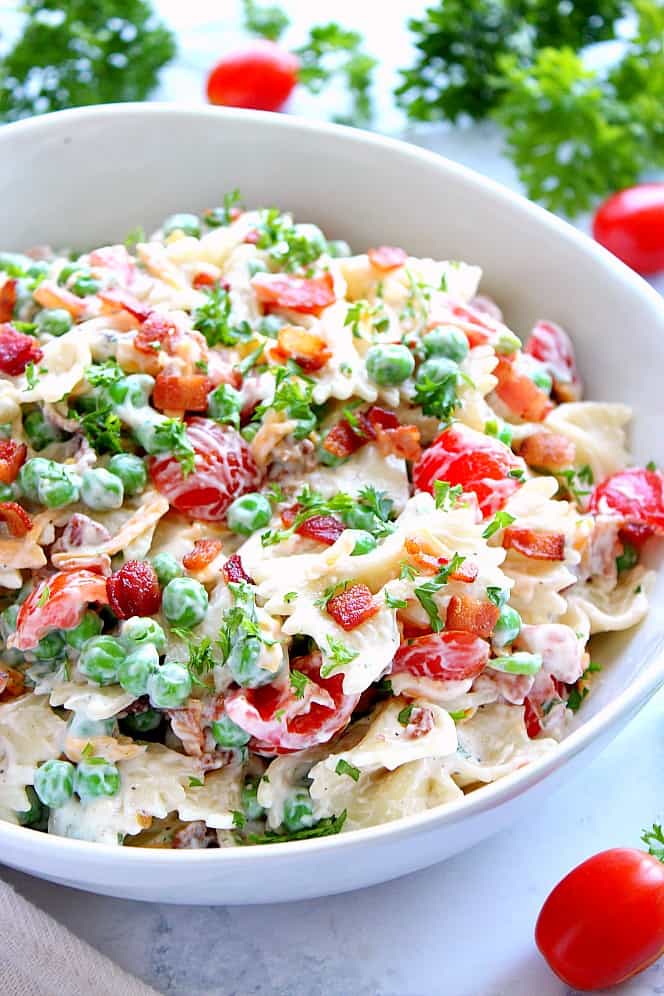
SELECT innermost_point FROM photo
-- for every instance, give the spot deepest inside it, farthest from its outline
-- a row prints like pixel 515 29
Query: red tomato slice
pixel 314 718
pixel 17 350
pixel 261 77
pixel 551 345
pixel 604 922
pixel 635 495
pixel 224 469
pixel 449 656
pixel 57 603
pixel 16 518
pixel 478 463
pixel 387 257
pixel 531 719
pixel 630 224
pixel 308 295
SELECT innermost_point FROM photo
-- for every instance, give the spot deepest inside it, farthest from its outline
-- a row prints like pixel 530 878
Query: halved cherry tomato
pixel 630 224
pixel 635 495
pixel 387 257
pixel 17 350
pixel 16 518
pixel 551 345
pixel 7 300
pixel 478 463
pixel 261 77
pixel 308 295
pixel 224 469
pixel 314 718
pixel 605 921
pixel 57 603
pixel 449 656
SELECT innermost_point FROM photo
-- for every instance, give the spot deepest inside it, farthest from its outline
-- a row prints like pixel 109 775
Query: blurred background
pixel 562 100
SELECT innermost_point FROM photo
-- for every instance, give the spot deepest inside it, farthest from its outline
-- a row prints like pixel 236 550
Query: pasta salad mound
pixel 292 541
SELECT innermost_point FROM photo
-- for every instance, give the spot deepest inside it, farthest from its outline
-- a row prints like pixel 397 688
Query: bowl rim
pixel 651 674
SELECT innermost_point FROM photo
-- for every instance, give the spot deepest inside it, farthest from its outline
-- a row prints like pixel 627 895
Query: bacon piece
pixel 134 590
pixel 202 554
pixel 352 607
pixel 51 295
pixel 387 258
pixel 519 393
pixel 116 299
pixel 471 615
pixel 181 392
pixel 403 441
pixel 537 546
pixel 467 572
pixel 16 518
pixel 156 332
pixel 345 439
pixel 233 571
pixel 309 350
pixel 17 350
pixel 80 531
pixel 308 295
pixel 194 836
pixel 117 259
pixel 324 528
pixel 420 722
pixel 382 418
pixel 7 300
pixel 12 683
pixel 548 451
pixel 12 458
pixel 203 279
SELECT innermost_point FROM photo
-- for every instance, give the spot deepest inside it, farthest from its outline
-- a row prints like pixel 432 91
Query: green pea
pixel 364 543
pixel 135 669
pixel 255 266
pixel 166 568
pixel 169 686
pixel 436 370
pixel 54 321
pixel 81 726
pixel 298 811
pixel 519 662
pixel 359 517
pixel 100 489
pixel 47 482
pixel 15 264
pixel 445 340
pixel 337 248
pixel 89 626
pixel 508 626
pixel 248 513
pixel 389 364
pixel 50 647
pixel 142 722
pixel 251 806
pixel 96 778
pixel 270 326
pixel 507 342
pixel 7 492
pixel 249 431
pixel 141 631
pixel 40 431
pixel 54 782
pixel 184 602
pixel 35 812
pixel 225 405
pixel 133 390
pixel 100 659
pixel 229 734
pixel 67 271
pixel 242 662
pixel 188 224
pixel 542 380
pixel 131 471
pixel 628 558
pixel 85 284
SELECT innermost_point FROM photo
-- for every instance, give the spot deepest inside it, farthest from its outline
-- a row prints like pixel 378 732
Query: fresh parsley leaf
pixel 298 682
pixel 290 596
pixel 500 520
pixel 405 714
pixel 324 828
pixel 269 22
pixel 378 502
pixel 338 655
pixel 572 481
pixel 286 246
pixel 425 592
pixel 334 52
pixel 344 768
pixel 195 782
pixel 361 315
pixel 44 597
pixel 136 235
pixel 330 592
pixel 407 572
pixel 104 374
pixel 219 217
pixel 239 819
pixel 171 436
pixel 654 841
pixel 459 714
pixel 445 495
pixel 312 503
pixel 576 697
pixel 651 465
pixel 213 319
pixel 101 427
pixel 496 595
pixel 31 375
pixel 395 603
pixel 437 397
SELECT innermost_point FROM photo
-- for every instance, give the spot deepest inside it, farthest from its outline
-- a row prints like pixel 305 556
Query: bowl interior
pixel 88 177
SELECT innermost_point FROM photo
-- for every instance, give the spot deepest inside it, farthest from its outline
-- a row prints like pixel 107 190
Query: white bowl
pixel 86 177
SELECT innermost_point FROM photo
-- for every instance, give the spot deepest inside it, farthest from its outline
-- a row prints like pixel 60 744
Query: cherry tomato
pixel 478 463
pixel 630 224
pixel 12 458
pixel 387 257
pixel 57 603
pixel 449 656
pixel 134 590
pixel 261 77
pixel 551 345
pixel 314 718
pixel 635 495
pixel 224 469
pixel 605 921
pixel 17 350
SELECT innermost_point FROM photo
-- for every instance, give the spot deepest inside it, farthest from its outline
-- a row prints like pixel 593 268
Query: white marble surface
pixel 463 928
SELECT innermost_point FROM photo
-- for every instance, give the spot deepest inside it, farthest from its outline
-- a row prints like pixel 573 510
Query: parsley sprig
pixel 286 246
pixel 324 828
pixel 654 841
pixel 425 592
pixel 213 319
pixel 334 52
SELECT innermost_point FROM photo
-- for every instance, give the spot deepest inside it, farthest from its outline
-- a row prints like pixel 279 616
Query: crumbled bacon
pixel 382 418
pixel 202 554
pixel 156 332
pixel 50 295
pixel 81 530
pixel 323 528
pixel 420 722
pixel 548 451
pixel 376 424
pixel 521 395
pixel 538 546
pixel 186 724
pixel 471 615
pixel 387 258
pixel 423 556
pixel 466 572
pixel 12 683
pixel 115 299
pixel 16 518
pixel 202 279
pixel 17 350
pixel 181 392
pixel 12 458
pixel 233 571
pixel 307 349
pixel 308 295
pixel 7 300
pixel 403 442
pixel 345 439
pixel 134 590
pixel 352 606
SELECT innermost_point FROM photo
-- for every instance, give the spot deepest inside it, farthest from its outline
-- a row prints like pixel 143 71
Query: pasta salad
pixel 293 540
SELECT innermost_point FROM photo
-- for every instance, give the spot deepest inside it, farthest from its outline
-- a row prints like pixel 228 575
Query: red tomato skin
pixel 630 224
pixel 261 77
pixel 604 922
pixel 635 494
pixel 452 655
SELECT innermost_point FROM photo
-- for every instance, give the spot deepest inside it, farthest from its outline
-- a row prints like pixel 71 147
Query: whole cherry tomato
pixel 605 921
pixel 630 224
pixel 261 77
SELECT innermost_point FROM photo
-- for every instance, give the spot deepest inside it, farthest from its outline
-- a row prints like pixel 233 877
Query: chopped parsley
pixel 136 235
pixel 298 683
pixel 104 374
pixel 171 436
pixel 651 465
pixel 339 655
pixel 44 597
pixel 445 495
pixel 437 397
pixel 574 481
pixel 344 768
pixel 221 216
pixel 290 596
pixel 213 319
pixel 312 503
pixel 425 592
pixel 239 819
pixel 500 520
pixel 378 502
pixel 395 603
pixel 362 313
pixel 459 714
pixel 330 592
pixel 201 661
pixel 195 782
pixel 286 247
pixel 292 395
pixel 405 714
pixel 407 572
pixel 654 841
pixel 101 427
pixel 31 375
pixel 324 828
pixel 496 595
